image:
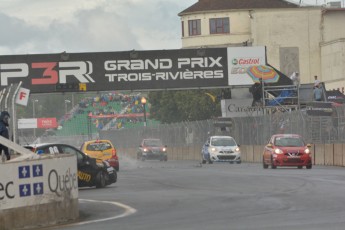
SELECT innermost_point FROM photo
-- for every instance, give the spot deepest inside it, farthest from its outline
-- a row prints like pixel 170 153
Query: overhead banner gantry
pixel 131 70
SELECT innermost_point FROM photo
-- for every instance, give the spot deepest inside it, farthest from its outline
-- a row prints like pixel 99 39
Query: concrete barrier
pixel 319 150
pixel 38 192
pixel 329 154
pixel 338 154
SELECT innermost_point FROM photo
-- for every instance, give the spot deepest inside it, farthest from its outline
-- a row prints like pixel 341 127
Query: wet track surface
pixel 187 195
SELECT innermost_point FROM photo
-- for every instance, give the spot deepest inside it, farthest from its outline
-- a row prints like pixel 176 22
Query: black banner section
pixel 127 70
pixel 223 122
pixel 319 109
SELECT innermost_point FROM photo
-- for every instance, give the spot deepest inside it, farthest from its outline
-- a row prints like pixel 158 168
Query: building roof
pixel 215 5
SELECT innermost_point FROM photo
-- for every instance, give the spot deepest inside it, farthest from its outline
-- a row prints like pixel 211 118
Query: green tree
pixel 187 105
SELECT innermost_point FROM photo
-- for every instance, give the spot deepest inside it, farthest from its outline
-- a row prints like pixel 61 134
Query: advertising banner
pixel 240 58
pixel 107 71
pixel 240 108
pixel 34 123
pixel 29 123
pixel 319 109
pixel 46 123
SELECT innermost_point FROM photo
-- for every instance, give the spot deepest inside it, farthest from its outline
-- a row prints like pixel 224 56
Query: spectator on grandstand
pixel 316 81
pixel 295 78
pixel 256 91
pixel 318 93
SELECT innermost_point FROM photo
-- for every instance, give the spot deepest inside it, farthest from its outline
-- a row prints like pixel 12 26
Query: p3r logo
pixel 51 75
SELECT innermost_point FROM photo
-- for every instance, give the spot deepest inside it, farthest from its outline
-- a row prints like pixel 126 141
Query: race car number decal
pixel 84 176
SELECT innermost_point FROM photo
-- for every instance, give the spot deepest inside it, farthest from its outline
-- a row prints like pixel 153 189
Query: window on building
pixel 194 27
pixel 219 25
pixel 182 26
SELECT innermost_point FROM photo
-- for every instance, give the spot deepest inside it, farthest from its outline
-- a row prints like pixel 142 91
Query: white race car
pixel 221 149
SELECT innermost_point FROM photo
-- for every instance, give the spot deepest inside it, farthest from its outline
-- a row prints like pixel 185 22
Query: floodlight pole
pixel 143 101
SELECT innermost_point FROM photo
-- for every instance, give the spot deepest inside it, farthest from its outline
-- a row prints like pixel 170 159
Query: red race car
pixel 287 150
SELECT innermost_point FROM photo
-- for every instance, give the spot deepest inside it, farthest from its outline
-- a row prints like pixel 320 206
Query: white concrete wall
pixel 333 25
pixel 333 50
pixel 333 64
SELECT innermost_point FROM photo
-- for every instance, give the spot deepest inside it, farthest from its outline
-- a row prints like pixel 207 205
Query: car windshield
pixel 153 143
pixel 289 142
pixel 223 142
pixel 100 146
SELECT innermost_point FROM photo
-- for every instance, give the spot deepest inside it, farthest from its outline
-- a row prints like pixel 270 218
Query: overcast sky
pixel 53 26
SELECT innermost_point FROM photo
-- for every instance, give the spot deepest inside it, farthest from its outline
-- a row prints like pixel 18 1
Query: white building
pixel 305 39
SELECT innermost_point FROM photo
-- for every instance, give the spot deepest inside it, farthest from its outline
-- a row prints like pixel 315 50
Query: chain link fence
pixel 251 130
pixel 255 130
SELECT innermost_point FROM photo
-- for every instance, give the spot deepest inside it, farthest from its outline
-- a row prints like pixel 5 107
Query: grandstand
pixel 86 118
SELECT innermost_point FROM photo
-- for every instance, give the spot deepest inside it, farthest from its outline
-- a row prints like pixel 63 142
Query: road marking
pixel 128 211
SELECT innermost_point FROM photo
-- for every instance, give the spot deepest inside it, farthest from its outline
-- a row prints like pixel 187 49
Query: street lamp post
pixel 66 102
pixel 143 101
pixel 34 113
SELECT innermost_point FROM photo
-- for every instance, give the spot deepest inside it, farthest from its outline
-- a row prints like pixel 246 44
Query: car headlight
pixel 213 149
pixel 164 149
pixel 278 151
pixel 145 149
pixel 237 149
pixel 307 151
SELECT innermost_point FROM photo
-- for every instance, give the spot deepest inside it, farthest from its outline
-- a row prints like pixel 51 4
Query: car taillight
pixel 113 152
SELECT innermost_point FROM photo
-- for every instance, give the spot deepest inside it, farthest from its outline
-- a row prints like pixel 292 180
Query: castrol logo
pixel 246 61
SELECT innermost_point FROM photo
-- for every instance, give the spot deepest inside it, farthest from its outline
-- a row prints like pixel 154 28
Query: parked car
pixel 221 149
pixel 102 149
pixel 91 171
pixel 152 149
pixel 287 150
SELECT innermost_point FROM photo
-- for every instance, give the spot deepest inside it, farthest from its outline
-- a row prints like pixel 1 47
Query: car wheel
pixel 309 166
pixel 239 162
pixel 210 162
pixel 101 180
pixel 203 161
pixel 299 167
pixel 264 165
pixel 273 166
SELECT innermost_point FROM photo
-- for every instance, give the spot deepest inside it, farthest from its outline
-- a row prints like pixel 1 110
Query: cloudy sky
pixel 53 26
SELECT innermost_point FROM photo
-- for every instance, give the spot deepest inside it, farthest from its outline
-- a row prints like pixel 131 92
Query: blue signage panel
pixel 25 190
pixel 38 188
pixel 24 172
pixel 37 170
